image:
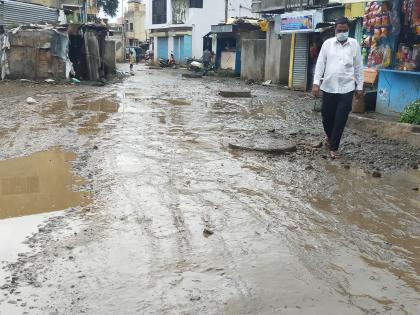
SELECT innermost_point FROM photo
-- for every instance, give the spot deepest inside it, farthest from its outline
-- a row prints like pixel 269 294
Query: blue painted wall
pixel 188 46
pixel 396 90
pixel 178 49
pixel 182 49
pixel 162 47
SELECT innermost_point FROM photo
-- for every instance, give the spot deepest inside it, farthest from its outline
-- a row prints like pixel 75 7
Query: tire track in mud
pixel 170 196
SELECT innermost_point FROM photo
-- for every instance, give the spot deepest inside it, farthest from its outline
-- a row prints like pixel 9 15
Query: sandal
pixel 334 155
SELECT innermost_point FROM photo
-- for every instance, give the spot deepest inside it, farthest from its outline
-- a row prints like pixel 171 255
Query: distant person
pixel 207 56
pixel 339 67
pixel 132 60
pixel 138 57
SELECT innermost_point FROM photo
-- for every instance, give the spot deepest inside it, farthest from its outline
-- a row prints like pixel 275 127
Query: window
pixel 159 11
pixel 196 4
pixel 131 27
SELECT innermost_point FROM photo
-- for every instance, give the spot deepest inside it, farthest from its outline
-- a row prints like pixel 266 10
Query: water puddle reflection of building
pixel 41 182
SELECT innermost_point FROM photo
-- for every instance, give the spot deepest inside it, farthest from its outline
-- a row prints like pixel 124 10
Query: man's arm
pixel 319 70
pixel 358 71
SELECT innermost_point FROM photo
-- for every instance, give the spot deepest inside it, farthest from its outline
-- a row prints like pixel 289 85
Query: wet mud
pixel 162 216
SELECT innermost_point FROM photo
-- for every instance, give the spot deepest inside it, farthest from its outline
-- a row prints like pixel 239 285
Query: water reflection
pixel 41 182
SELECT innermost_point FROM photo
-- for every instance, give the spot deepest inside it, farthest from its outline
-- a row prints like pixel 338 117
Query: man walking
pixel 339 67
pixel 207 56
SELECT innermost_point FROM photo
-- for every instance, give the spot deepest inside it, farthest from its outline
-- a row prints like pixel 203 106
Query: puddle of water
pixel 385 209
pixel 41 182
pixel 101 105
pixel 91 125
pixel 178 101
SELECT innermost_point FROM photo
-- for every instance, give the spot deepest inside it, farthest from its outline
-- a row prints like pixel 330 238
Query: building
pixel 179 26
pixel 115 34
pixel 228 42
pixel 14 13
pixel 135 23
pixel 83 10
pixel 295 27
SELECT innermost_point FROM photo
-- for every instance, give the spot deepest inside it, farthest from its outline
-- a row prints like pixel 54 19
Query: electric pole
pixel 123 28
pixel 226 10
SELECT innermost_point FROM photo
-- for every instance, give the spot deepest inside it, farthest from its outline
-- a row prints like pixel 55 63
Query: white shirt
pixel 339 66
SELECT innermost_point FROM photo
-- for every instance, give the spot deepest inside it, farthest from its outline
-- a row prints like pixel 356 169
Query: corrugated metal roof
pixel 14 13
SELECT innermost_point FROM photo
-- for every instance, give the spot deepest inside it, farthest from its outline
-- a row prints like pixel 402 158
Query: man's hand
pixel 315 90
pixel 359 95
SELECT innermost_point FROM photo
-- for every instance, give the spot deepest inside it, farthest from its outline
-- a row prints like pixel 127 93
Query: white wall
pixel 155 44
pixel 149 20
pixel 202 20
pixel 240 8
pixel 170 45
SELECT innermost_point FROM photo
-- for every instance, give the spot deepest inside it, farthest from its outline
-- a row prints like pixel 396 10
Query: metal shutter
pixel 1 13
pixel 16 13
pixel 162 48
pixel 300 62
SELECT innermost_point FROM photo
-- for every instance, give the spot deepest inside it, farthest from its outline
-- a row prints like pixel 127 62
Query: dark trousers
pixel 335 111
pixel 206 67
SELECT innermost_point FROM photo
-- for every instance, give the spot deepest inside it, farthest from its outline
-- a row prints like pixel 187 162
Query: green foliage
pixel 109 6
pixel 411 113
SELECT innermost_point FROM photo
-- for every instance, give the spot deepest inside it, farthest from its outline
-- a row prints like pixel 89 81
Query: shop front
pixel 399 84
pixel 172 41
pixel 227 42
pixel 391 51
pixel 306 42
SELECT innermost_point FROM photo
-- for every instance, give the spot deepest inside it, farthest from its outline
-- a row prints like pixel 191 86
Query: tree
pixel 109 6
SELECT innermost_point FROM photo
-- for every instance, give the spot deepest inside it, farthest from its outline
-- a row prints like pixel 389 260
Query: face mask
pixel 342 37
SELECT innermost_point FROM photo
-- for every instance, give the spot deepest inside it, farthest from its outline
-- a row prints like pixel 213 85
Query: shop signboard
pixel 297 22
pixel 224 28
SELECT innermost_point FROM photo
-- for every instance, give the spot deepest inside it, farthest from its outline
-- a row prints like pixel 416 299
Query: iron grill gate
pixel 300 62
pixel 14 13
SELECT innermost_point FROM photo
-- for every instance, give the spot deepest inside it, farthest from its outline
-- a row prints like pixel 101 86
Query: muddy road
pixel 128 199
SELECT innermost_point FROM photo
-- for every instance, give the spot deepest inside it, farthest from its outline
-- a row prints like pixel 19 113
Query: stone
pixel 414 166
pixel 5 287
pixel 207 232
pixel 31 100
pixel 316 144
pixel 376 174
pixel 235 93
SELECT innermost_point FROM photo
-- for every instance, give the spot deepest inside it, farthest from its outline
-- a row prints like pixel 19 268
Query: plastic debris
pixel 31 100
